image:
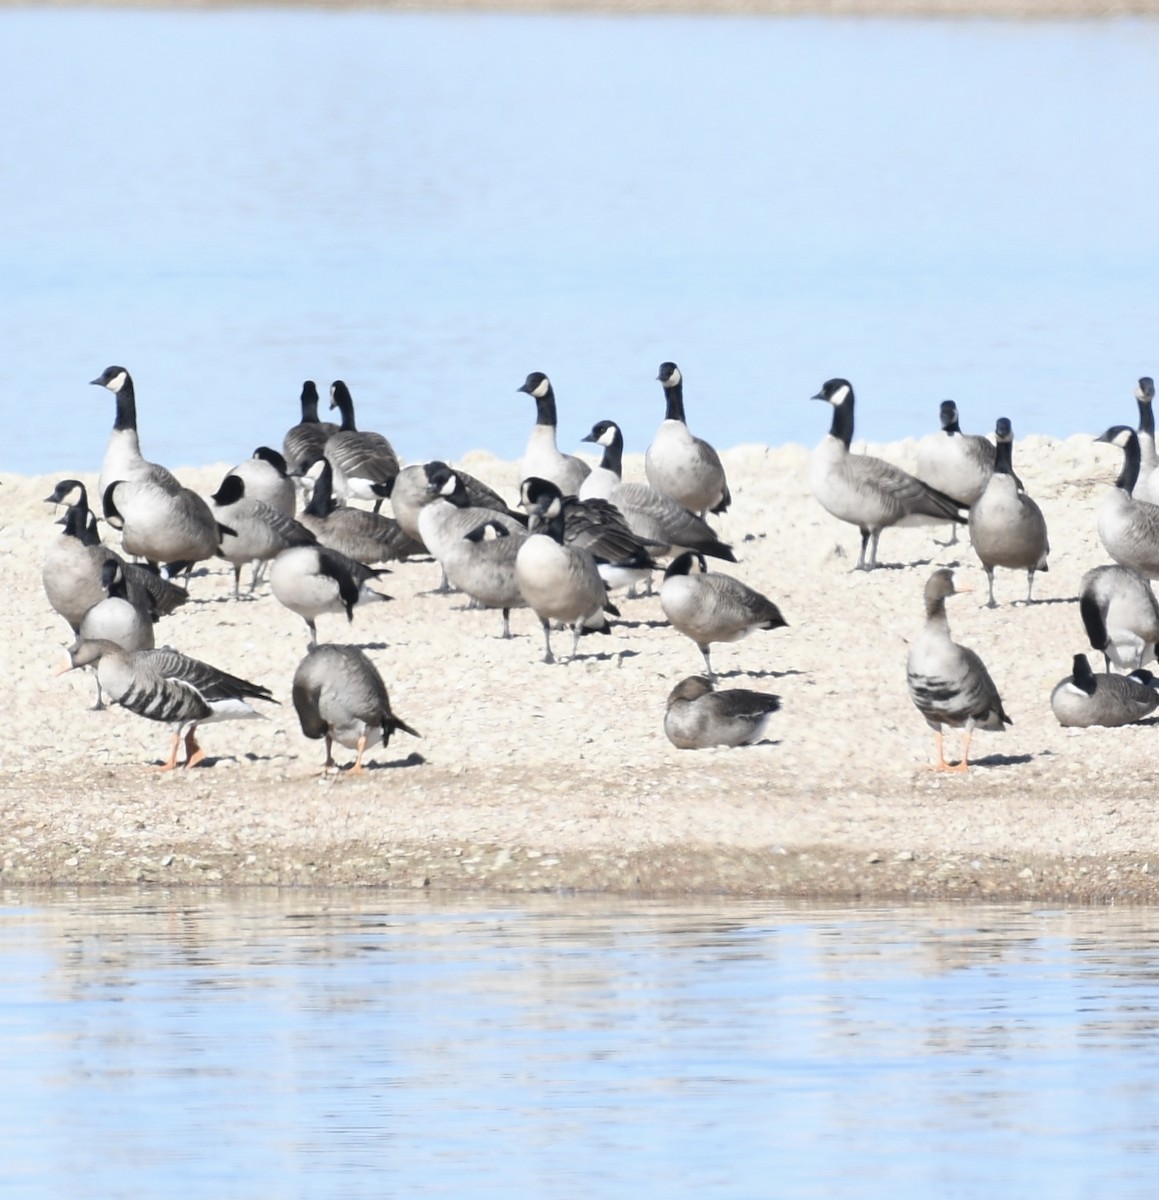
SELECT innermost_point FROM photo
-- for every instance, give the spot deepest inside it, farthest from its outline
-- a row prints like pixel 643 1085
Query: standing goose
pixel 365 464
pixel 865 491
pixel 1083 698
pixel 1007 528
pixel 482 565
pixel 1121 616
pixel 542 458
pixel 116 618
pixel 165 685
pixel 948 683
pixel 956 463
pixel 713 608
pixel 306 441
pixel 559 582
pixel 1129 528
pixel 411 494
pixel 1147 485
pixel 339 695
pixel 265 478
pixel 668 527
pixel 311 580
pixel 681 466
pixel 698 718
pixel 123 459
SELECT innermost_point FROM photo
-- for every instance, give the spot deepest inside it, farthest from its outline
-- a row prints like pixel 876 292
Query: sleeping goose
pixel 165 685
pixel 956 463
pixel 1129 528
pixel 668 527
pixel 865 491
pixel 713 607
pixel 1147 485
pixel 265 478
pixel 559 582
pixel 311 580
pixel 948 683
pixel 1121 616
pixel 698 718
pixel 339 695
pixel 481 564
pixel 1007 528
pixel 542 458
pixel 364 462
pixel 306 441
pixel 1083 698
pixel 678 465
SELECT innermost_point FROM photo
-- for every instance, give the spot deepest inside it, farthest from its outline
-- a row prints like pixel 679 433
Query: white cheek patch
pixel 117 382
pixel 1123 439
pixel 448 488
pixel 839 395
pixel 674 378
pixel 1075 690
pixel 540 390
pixel 554 508
pixel 607 437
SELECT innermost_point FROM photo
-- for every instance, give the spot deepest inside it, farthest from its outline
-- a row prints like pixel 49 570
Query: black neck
pixel 613 459
pixel 842 426
pixel 1146 418
pixel 953 426
pixel 76 520
pixel 545 408
pixel 322 497
pixel 674 396
pixel 553 527
pixel 1083 676
pixel 1004 458
pixel 126 407
pixel 310 406
pixel 1129 475
pixel 345 406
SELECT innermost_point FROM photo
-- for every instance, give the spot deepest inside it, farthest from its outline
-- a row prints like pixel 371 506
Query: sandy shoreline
pixel 530 777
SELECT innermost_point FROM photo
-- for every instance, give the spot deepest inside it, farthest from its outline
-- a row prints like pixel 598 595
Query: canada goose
pixel 678 465
pixel 166 685
pixel 339 696
pixel 865 491
pixel 115 618
pixel 948 683
pixel 1121 615
pixel 1147 485
pixel 311 580
pixel 159 520
pixel 713 607
pixel 666 526
pixel 305 441
pixel 955 463
pixel 253 531
pixel 482 565
pixel 542 458
pixel 1007 528
pixel 1129 528
pixel 1083 698
pixel 558 581
pixel 410 494
pixel 265 478
pixel 698 717
pixel 365 464
pixel 367 537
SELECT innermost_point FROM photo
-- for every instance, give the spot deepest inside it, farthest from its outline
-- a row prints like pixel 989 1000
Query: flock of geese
pixel 308 521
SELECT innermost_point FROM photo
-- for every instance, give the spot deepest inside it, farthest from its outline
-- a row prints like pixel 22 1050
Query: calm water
pixel 352 1044
pixel 430 206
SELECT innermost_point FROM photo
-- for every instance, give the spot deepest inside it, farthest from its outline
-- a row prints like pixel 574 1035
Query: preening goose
pixel 713 607
pixel 1147 485
pixel 865 491
pixel 1129 528
pixel 364 462
pixel 558 581
pixel 623 558
pixel 1007 528
pixel 698 717
pixel 949 683
pixel 165 685
pixel 685 468
pixel 1083 698
pixel 542 458
pixel 306 441
pixel 411 494
pixel 667 527
pixel 339 695
pixel 1121 616
pixel 956 463
pixel 481 564
pixel 311 580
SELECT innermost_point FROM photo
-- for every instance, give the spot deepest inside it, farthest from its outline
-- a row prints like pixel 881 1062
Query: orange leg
pixel 172 761
pixel 941 765
pixel 358 768
pixel 193 752
pixel 329 765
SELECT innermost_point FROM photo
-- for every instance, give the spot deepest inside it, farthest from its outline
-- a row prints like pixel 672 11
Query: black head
pixel 111 575
pixel 836 391
pixel 230 490
pixel 1145 390
pixel 948 415
pixel 438 476
pixel 1119 435
pixel 604 433
pixel 1003 430
pixel 489 531
pixel 540 496
pixel 339 394
pixel 688 563
pixel 62 490
pixel 271 456
pixel 536 384
pixel 1081 674
pixel 669 374
pixel 113 378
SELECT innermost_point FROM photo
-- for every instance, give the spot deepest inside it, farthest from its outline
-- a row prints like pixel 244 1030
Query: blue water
pixel 432 205
pixel 354 1044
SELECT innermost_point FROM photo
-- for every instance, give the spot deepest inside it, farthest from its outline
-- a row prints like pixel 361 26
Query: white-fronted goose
pixel 685 468
pixel 697 717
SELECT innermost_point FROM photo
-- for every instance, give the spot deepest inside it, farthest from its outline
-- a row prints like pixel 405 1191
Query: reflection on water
pixel 351 1043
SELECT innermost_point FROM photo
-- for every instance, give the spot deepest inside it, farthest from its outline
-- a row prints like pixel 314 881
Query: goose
pixel 713 607
pixel 1084 699
pixel 160 521
pixel 253 531
pixel 1129 528
pixel 865 491
pixel 1147 485
pixel 559 582
pixel 542 458
pixel 949 683
pixel 685 468
pixel 306 441
pixel 956 463
pixel 697 717
pixel 115 618
pixel 1007 528
pixel 668 527
pixel 265 478
pixel 365 464
pixel 1121 616
pixel 367 537
pixel 339 695
pixel 311 580
pixel 166 685
pixel 410 494
pixel 482 565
